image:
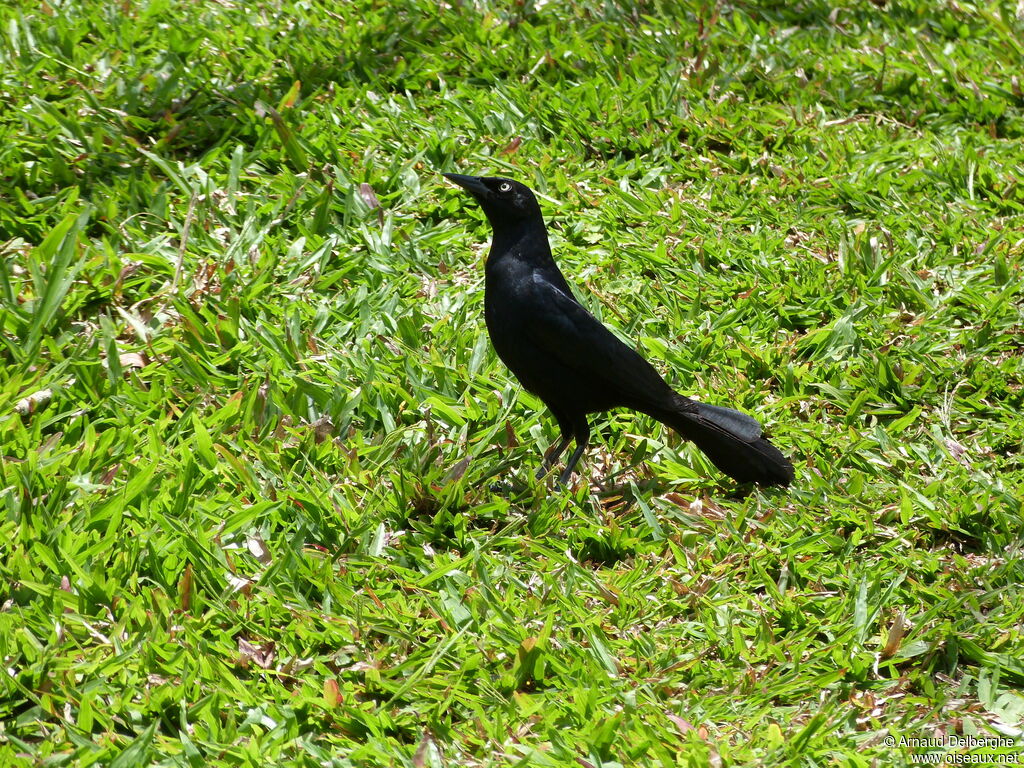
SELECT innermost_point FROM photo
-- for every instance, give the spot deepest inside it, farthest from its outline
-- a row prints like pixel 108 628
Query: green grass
pixel 267 493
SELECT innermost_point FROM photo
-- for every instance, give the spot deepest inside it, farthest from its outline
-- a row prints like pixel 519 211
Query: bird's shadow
pixel 616 492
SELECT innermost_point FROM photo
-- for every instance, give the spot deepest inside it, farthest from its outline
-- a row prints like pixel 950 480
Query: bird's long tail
pixel 732 440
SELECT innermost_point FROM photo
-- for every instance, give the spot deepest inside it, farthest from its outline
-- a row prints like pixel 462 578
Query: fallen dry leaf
pixel 132 360
pixel 261 655
pixel 33 402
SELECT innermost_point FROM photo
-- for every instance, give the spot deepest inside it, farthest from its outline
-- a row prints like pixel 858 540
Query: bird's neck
pixel 526 243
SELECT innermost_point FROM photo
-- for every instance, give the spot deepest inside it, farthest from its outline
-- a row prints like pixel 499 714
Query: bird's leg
pixel 551 456
pixel 556 449
pixel 581 429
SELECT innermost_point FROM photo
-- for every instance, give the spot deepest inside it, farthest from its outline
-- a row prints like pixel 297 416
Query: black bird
pixel 565 356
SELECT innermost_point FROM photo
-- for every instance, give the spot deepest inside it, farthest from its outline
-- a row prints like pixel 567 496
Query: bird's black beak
pixel 472 184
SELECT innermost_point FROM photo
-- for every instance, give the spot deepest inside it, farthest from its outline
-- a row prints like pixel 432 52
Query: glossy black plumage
pixel 565 356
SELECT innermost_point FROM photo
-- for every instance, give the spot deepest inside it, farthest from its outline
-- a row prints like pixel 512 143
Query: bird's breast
pixel 508 308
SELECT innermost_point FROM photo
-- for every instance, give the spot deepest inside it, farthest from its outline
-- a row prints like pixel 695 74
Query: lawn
pixel 267 492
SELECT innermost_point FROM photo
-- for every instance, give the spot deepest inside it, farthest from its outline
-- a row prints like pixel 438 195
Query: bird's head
pixel 505 202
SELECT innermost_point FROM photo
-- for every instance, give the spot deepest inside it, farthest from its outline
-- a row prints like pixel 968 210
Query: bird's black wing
pixel 606 373
pixel 567 333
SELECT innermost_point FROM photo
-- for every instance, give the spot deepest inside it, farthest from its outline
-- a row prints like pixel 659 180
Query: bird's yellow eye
pixel 505 186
